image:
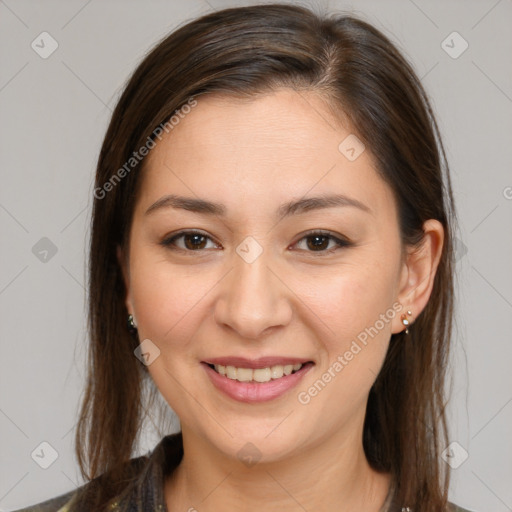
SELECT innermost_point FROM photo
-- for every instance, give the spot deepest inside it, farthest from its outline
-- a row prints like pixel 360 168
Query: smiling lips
pixel 262 362
pixel 256 380
pixel 263 369
pixel 258 374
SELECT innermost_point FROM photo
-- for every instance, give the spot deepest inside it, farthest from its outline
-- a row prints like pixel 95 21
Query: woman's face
pixel 255 283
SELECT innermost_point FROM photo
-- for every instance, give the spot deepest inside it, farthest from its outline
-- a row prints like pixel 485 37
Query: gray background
pixel 54 113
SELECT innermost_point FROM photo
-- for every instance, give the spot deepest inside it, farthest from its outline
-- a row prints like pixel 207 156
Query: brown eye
pixel 192 241
pixel 318 242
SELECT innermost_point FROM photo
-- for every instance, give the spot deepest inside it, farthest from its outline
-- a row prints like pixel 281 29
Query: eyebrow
pixel 285 210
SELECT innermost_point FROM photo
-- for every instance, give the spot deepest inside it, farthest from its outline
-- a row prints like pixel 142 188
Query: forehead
pixel 265 149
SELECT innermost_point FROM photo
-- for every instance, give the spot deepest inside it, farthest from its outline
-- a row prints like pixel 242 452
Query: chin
pixel 261 443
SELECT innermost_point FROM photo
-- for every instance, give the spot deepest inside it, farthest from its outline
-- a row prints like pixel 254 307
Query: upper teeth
pixel 259 374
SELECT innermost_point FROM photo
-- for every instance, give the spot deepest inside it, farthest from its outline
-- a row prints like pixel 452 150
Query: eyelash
pixel 340 243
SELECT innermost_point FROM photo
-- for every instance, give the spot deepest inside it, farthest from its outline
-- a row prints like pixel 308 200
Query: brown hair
pixel 244 52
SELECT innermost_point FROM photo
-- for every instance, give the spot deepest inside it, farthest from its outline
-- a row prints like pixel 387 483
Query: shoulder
pixel 58 504
pixel 455 508
pixel 139 478
pixel 81 496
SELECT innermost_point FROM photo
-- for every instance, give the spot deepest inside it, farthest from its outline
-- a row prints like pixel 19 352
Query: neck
pixel 329 476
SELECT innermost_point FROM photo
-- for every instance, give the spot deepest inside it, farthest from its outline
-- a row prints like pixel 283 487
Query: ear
pixel 123 264
pixel 418 273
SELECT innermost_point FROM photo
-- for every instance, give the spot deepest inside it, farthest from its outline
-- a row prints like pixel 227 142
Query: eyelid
pixel 167 242
pixel 341 242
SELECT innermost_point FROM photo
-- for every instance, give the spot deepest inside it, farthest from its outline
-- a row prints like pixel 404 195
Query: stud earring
pixel 405 321
pixel 131 325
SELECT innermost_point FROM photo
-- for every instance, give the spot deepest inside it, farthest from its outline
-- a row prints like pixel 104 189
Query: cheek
pixel 167 299
pixel 339 302
pixel 349 300
pixel 355 309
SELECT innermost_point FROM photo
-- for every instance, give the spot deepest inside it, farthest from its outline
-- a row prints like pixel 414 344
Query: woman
pixel 272 252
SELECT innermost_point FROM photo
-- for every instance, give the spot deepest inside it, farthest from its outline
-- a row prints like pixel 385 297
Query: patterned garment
pixel 145 493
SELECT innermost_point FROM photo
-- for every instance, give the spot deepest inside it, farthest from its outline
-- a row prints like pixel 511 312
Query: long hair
pixel 244 52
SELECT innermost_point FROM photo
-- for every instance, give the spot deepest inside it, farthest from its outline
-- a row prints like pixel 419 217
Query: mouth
pixel 259 380
pixel 257 375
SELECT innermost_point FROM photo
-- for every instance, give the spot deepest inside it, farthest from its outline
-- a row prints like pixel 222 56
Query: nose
pixel 253 299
